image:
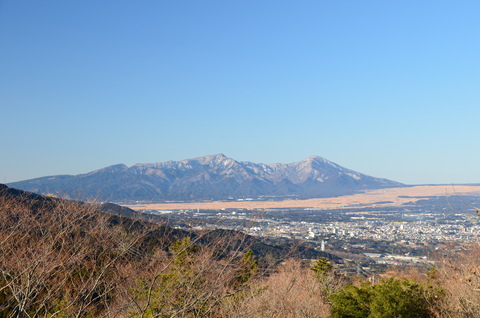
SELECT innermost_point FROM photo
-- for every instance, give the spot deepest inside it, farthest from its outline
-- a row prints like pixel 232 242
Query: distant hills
pixel 214 177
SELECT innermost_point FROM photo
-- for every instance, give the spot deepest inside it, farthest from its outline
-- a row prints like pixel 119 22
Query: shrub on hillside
pixel 390 298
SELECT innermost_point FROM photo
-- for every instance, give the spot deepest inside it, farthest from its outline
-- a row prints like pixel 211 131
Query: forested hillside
pixel 66 259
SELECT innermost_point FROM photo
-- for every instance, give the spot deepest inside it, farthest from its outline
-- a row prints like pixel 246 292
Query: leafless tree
pixel 59 258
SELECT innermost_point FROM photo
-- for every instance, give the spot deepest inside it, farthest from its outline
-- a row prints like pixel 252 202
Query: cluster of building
pixel 416 231
pixel 355 232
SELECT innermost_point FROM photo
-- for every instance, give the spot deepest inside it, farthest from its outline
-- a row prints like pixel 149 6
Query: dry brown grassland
pixel 395 197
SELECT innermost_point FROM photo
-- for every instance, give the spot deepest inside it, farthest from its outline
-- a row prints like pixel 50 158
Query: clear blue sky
pixel 387 88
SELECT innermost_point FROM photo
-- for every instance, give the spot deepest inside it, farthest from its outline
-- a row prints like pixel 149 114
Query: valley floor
pixel 382 197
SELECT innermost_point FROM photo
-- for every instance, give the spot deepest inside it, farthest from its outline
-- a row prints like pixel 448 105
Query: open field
pixel 382 197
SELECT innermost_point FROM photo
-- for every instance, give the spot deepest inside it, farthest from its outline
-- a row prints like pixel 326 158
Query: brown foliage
pixel 58 258
pixel 460 278
pixel 293 291
pixel 65 259
pixel 62 258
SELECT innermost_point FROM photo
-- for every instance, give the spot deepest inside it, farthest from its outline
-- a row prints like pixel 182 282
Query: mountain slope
pixel 14 200
pixel 214 177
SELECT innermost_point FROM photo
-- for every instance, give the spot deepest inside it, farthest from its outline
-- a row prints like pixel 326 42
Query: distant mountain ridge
pixel 213 177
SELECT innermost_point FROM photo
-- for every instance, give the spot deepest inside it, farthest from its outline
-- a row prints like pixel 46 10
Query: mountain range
pixel 213 177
